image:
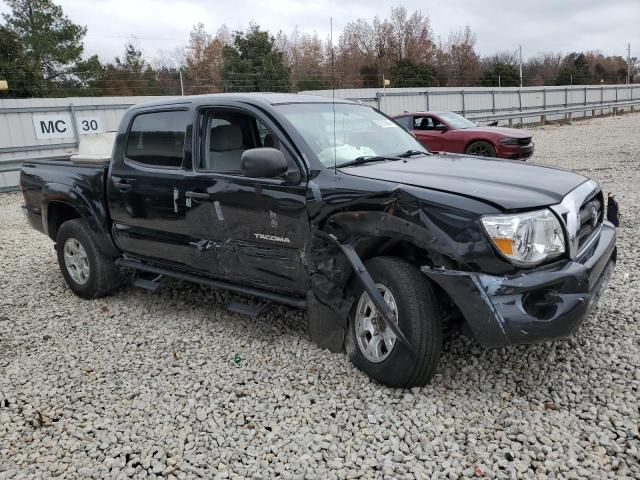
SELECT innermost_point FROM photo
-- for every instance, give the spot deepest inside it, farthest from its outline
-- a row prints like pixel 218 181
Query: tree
pixel 542 69
pixel 204 59
pixel 606 69
pixel 574 70
pixel 253 64
pixel 17 68
pixel 405 73
pixel 132 75
pixel 500 73
pixel 50 39
pixel 457 62
pixel 308 58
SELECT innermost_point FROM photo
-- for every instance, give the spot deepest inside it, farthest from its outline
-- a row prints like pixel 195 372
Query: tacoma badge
pixel 273 238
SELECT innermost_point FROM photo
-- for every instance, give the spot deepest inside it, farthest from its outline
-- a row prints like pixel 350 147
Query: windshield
pixel 360 131
pixel 456 121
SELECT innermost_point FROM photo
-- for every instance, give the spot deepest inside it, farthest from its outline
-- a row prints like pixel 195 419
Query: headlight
pixel 509 141
pixel 526 238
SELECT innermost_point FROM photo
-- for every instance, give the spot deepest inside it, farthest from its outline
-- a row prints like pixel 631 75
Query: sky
pixel 500 25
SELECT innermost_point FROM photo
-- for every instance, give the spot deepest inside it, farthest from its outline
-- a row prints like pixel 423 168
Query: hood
pixel 508 185
pixel 501 131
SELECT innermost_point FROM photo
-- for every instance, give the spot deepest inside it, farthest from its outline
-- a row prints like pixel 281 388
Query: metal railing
pixel 566 111
pixel 466 97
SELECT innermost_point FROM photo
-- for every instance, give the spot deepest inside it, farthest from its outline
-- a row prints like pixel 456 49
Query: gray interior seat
pixel 226 148
pixel 270 141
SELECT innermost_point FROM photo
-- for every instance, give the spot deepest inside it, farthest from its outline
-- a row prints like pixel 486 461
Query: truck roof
pixel 252 98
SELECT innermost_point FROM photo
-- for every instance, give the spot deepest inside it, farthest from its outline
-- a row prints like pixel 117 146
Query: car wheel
pixel 87 271
pixel 373 348
pixel 481 149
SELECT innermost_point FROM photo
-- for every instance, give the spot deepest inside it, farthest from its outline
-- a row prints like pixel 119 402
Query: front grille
pixel 590 219
pixel 524 141
pixel 578 210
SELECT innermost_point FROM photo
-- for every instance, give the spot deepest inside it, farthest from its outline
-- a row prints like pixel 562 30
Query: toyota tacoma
pixel 334 208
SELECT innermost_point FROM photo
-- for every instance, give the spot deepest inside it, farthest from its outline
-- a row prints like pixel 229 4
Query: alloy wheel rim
pixel 480 151
pixel 76 261
pixel 375 340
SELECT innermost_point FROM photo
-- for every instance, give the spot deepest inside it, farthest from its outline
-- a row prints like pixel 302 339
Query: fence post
pixel 520 106
pixel 543 119
pixel 493 102
pixel 463 106
pixel 378 96
pixel 601 101
pixel 74 124
pixel 427 97
pixel 566 101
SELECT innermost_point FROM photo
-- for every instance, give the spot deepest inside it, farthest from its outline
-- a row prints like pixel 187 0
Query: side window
pixel 157 138
pixel 422 123
pixel 228 135
pixel 437 124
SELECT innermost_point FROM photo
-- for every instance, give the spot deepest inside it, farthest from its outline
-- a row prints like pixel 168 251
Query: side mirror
pixel 441 128
pixel 263 162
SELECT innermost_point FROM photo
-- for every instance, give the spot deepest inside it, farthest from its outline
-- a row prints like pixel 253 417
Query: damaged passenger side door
pixel 246 230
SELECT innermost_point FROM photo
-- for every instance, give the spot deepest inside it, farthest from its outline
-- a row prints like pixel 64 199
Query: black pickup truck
pixel 334 208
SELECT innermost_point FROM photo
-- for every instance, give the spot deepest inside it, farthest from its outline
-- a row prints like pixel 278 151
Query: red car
pixel 450 132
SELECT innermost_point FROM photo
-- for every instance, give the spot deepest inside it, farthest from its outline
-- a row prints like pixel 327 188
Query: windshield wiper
pixel 411 153
pixel 367 159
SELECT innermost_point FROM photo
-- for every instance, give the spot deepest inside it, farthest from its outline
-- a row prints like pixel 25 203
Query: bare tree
pixel 457 62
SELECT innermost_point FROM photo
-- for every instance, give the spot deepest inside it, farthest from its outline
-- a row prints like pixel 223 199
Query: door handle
pixel 198 195
pixel 123 185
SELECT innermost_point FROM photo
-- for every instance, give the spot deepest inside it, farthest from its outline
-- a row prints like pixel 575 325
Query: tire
pixel 87 271
pixel 481 149
pixel 418 319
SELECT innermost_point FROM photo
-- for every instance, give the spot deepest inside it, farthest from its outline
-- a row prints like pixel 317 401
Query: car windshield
pixel 456 121
pixel 359 132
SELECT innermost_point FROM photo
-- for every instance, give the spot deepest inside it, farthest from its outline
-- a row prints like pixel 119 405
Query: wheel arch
pixel 370 234
pixel 61 203
pixel 481 139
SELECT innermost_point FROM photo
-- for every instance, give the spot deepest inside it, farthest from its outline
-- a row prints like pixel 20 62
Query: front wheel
pixel 373 348
pixel 481 149
pixel 87 271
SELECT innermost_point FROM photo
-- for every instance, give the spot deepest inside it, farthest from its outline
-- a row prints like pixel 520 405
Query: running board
pixel 148 284
pixel 254 311
pixel 232 287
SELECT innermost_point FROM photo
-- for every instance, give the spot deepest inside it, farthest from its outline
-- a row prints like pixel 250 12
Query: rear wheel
pixel 373 348
pixel 481 149
pixel 87 271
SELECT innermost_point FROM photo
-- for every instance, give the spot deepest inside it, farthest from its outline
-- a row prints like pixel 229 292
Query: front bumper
pixel 515 152
pixel 534 305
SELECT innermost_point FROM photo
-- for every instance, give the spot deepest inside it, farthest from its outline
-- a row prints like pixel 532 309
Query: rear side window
pixel 158 138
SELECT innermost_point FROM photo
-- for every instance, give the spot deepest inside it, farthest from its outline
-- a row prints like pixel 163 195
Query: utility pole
pixel 628 63
pixel 520 48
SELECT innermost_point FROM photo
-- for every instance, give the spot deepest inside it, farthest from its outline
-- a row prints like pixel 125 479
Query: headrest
pixel 269 141
pixel 225 138
pixel 424 123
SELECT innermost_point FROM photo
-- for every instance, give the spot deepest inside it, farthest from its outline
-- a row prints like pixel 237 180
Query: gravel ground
pixel 169 383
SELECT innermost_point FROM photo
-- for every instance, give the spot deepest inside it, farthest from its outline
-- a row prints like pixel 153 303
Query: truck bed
pixel 41 179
